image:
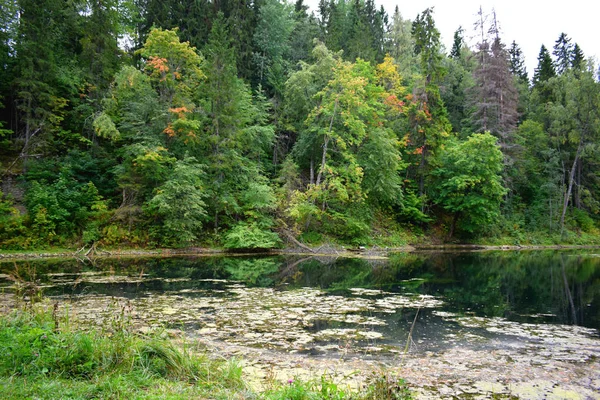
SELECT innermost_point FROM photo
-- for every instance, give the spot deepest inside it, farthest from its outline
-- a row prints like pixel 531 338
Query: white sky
pixel 530 22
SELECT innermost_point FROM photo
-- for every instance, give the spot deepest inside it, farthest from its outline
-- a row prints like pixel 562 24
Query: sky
pixel 530 23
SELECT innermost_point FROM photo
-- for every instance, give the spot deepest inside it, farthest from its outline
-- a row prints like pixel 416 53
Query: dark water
pixel 527 287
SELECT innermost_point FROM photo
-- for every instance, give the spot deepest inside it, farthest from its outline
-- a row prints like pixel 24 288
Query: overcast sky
pixel 530 22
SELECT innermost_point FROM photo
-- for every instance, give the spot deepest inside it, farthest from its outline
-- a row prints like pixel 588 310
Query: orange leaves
pixel 393 102
pixel 158 64
pixel 169 130
pixel 180 111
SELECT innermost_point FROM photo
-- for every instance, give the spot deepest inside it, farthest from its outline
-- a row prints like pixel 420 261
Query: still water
pixel 532 301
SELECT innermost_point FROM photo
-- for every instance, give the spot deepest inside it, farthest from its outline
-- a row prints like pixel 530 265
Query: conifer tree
pixel 457 43
pixel 545 69
pixel 495 97
pixel 400 45
pixel 577 59
pixel 542 73
pixel 517 62
pixel 563 53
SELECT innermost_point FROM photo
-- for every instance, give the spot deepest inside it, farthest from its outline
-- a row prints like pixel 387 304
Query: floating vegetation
pixel 307 324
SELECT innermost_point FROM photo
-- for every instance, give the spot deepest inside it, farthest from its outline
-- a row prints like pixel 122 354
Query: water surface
pixel 411 302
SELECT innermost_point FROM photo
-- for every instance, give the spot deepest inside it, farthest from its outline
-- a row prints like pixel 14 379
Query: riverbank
pixel 325 250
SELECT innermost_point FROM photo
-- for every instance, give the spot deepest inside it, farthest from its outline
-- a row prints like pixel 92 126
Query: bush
pixel 251 235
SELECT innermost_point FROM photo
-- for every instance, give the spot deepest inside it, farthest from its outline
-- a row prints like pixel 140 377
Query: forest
pixel 249 124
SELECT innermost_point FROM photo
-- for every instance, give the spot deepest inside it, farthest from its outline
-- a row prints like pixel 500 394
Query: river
pixel 510 324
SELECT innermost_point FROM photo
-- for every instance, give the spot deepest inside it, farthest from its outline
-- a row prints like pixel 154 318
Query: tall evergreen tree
pixel 236 137
pixel 495 96
pixel 272 42
pixel 400 45
pixel 427 133
pixel 545 68
pixel 517 62
pixel 542 73
pixel 519 72
pixel 563 53
pixel 457 43
pixel 578 58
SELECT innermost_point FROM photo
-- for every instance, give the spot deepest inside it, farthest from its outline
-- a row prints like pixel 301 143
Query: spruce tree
pixel 578 58
pixel 517 62
pixel 457 44
pixel 563 53
pixel 542 73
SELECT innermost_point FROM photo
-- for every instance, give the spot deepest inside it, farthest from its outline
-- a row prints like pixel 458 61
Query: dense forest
pixel 246 124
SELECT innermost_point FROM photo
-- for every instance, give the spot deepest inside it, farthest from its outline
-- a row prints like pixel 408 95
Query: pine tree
pixel 272 42
pixel 457 44
pixel 400 45
pixel 545 69
pixel 578 58
pixel 563 53
pixel 495 96
pixel 517 63
pixel 519 72
pixel 542 74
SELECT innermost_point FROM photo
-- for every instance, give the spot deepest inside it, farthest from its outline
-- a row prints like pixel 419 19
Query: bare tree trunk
pixel 312 171
pixel 570 188
pixel 578 187
pixel 325 143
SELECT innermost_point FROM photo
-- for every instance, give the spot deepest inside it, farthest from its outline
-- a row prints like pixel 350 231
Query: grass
pixel 43 357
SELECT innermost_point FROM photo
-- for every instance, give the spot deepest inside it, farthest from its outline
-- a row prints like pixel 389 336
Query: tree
pixel 542 73
pixel 429 117
pixel 235 131
pixel 578 58
pixel 517 63
pixel 457 43
pixel 346 143
pixel 468 182
pixel 400 45
pixel 306 29
pixel 495 97
pixel 179 205
pixel 574 124
pixel 45 77
pixel 563 53
pixel 272 40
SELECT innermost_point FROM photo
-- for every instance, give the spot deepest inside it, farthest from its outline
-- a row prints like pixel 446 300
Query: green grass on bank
pixel 43 357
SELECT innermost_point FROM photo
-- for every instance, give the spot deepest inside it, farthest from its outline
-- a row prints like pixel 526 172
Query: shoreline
pixel 338 251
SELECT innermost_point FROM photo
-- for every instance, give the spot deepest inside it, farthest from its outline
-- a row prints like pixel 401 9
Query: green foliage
pixel 35 350
pixel 386 387
pixel 251 235
pixel 63 209
pixel 178 204
pixel 468 182
pixel 11 224
pixel 296 121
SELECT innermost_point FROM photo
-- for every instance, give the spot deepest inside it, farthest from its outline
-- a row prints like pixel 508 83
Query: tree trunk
pixel 578 187
pixel 570 188
pixel 325 143
pixel 453 225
